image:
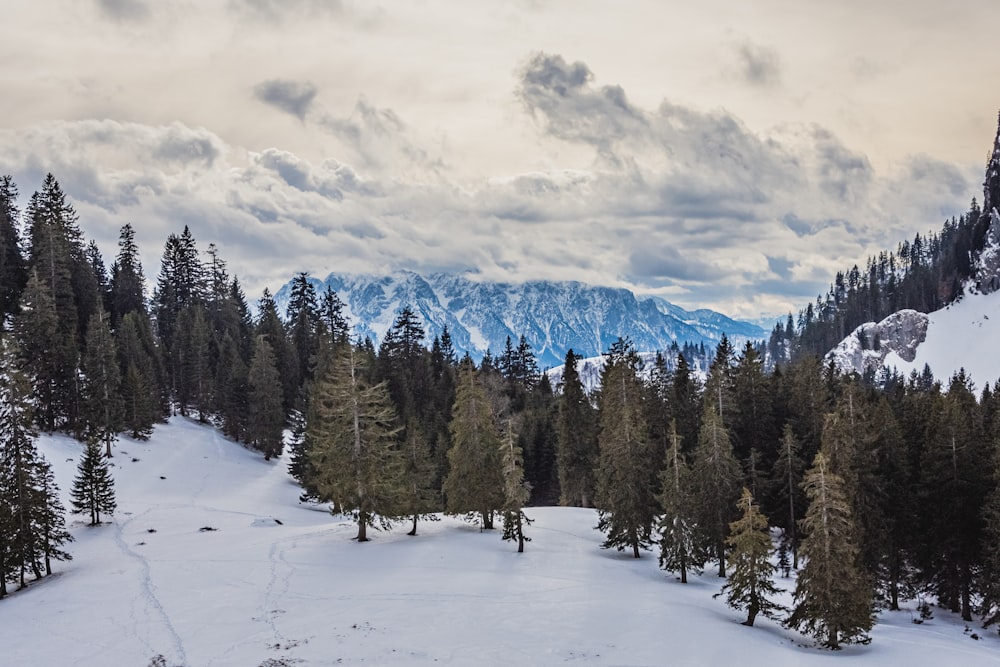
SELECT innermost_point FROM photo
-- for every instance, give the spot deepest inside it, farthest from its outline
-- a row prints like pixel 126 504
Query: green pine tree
pixel 786 481
pixel 833 600
pixel 353 443
pixel 93 487
pixel 474 485
pixel 102 401
pixel 576 443
pixel 751 579
pixel 516 490
pixel 717 477
pixel 680 547
pixel 266 419
pixel 420 499
pixel 626 475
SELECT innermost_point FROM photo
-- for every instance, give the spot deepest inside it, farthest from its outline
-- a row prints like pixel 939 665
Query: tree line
pixel 904 474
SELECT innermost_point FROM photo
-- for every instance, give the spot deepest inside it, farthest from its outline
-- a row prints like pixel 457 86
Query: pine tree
pixel 990 586
pixel 474 485
pixel 37 333
pixel 717 478
pixel 13 268
pixel 139 391
pixel 516 490
pixel 833 601
pixel 576 444
pixel 353 433
pixel 680 547
pixel 751 579
pixel 626 482
pixel 128 284
pixel 266 420
pixel 420 498
pixel 102 403
pixel 788 471
pixel 93 487
pixel 29 497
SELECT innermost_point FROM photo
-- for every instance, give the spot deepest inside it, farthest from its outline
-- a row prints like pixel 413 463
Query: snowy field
pixel 195 567
pixel 963 335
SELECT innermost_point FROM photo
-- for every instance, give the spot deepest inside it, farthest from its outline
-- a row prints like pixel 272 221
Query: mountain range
pixel 553 316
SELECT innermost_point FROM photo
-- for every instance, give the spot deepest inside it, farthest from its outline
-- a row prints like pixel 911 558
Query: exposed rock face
pixel 988 264
pixel 867 346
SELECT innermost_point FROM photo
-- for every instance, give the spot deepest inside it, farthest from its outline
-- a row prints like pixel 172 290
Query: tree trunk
pixel 684 569
pixel 720 553
pixel 966 594
pixel 362 527
pixel 413 531
pixel 635 549
pixel 834 641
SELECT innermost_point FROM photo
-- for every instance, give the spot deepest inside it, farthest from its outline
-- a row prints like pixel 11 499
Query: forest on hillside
pixel 395 433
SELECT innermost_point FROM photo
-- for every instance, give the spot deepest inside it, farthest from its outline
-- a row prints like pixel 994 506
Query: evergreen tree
pixel 833 601
pixel 102 402
pixel 331 313
pixel 128 284
pixel 680 547
pixel 751 579
pixel 139 394
pixel 266 419
pixel 717 478
pixel 576 444
pixel 29 497
pixel 474 484
pixel 420 498
pixel 788 471
pixel 626 482
pixel 13 268
pixel 353 434
pixel 42 354
pixel 990 586
pixel 93 487
pixel 516 490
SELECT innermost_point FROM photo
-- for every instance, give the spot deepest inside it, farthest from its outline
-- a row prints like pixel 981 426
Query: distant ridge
pixel 553 316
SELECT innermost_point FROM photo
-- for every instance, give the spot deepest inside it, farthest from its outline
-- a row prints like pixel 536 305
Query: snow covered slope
pixel 963 335
pixel 196 567
pixel 554 317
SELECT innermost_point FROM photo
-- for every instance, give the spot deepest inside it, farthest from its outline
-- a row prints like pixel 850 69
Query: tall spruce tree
pixel 576 444
pixel 751 579
pixel 93 487
pixel 13 268
pixel 680 545
pixel 128 284
pixel 139 388
pixel 474 485
pixel 626 476
pixel 266 417
pixel 516 490
pixel 787 484
pixel 353 433
pixel 102 401
pixel 420 497
pixel 717 476
pixel 833 600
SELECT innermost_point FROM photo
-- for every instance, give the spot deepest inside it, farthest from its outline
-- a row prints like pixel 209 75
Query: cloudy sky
pixel 726 154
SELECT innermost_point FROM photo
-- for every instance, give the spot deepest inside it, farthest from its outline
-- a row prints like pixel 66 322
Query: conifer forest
pixel 875 488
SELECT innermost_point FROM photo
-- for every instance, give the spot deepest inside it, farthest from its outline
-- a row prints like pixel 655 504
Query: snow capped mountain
pixel 870 344
pixel 554 317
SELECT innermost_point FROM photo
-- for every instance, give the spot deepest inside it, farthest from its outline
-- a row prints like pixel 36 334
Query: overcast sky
pixel 720 153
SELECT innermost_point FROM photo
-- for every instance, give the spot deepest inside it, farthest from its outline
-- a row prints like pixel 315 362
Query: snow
pixel 963 335
pixel 255 592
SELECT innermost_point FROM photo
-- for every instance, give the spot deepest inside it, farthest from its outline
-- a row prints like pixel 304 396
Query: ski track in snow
pixel 148 593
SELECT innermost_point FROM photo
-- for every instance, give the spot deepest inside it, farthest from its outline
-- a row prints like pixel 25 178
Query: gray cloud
pixel 759 65
pixel 125 11
pixel 293 97
pixel 279 10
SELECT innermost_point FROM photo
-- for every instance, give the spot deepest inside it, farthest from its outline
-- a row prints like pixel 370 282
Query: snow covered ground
pixel 255 592
pixel 966 335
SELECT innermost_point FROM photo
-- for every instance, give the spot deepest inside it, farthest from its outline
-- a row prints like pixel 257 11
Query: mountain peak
pixel 553 316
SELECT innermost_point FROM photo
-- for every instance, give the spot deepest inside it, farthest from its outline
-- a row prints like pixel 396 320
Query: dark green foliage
pixel 44 355
pixel 787 484
pixel 127 279
pixel 717 476
pixel 474 485
pixel 576 453
pixel 833 601
pixel 626 475
pixel 353 435
pixel 265 417
pixel 13 267
pixel 93 487
pixel 139 384
pixel 751 579
pixel 516 490
pixel 420 497
pixel 681 548
pixel 102 401
pixel 31 515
